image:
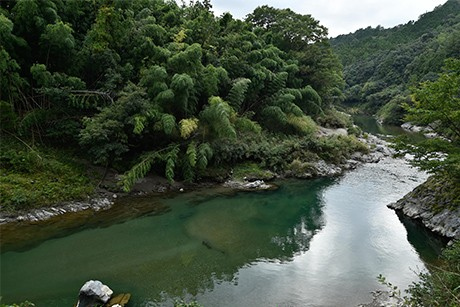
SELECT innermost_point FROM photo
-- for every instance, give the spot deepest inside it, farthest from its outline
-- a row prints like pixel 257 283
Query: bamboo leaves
pixel 238 92
pixel 217 116
pixel 187 126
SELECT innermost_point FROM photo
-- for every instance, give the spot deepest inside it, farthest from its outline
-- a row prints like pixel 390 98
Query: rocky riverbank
pixel 42 214
pixel 108 192
pixel 436 204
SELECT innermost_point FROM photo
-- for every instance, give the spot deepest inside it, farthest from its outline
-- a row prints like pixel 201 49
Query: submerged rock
pixel 94 293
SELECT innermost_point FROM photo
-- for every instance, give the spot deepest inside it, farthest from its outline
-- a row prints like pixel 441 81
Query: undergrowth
pixel 32 177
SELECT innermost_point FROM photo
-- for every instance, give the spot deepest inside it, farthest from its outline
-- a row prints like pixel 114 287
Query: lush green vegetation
pixel 150 85
pixel 437 104
pixel 380 65
pixel 39 176
pixel 438 287
pixel 441 286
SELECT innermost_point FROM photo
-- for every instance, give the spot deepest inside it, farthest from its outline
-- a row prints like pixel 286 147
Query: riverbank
pixel 108 189
pixel 435 204
pixel 324 239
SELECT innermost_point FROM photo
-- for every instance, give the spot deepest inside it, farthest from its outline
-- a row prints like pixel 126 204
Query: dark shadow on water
pixel 427 243
pixel 22 236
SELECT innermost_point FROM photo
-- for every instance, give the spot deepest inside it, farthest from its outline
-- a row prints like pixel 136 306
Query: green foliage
pixel 129 81
pixel 380 65
pixel 168 122
pixel 140 169
pixel 187 127
pixel 11 83
pixel 337 148
pixel 237 93
pixel 244 125
pixel 437 104
pixel 303 125
pixel 298 167
pixel 32 177
pixel 277 152
pixel 189 162
pixel 217 117
pixel 107 134
pixel 440 286
pixel 289 29
pixel 8 118
pixel 250 170
pixel 393 112
pixel 335 119
pixel 58 42
pixel 183 104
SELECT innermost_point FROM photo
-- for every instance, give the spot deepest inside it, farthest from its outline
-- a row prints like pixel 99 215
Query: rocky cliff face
pixel 436 203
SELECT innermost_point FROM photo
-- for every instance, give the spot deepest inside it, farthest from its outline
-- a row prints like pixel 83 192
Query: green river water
pixel 310 243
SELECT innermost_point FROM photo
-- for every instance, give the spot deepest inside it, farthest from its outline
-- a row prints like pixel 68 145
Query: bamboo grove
pixel 150 83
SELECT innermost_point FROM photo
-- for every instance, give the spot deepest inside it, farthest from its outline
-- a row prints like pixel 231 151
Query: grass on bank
pixel 33 177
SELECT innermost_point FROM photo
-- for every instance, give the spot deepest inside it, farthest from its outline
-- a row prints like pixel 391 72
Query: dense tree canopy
pixel 150 83
pixel 381 64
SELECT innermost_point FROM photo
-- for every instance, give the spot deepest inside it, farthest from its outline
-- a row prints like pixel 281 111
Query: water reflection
pixel 204 239
pixel 428 244
pixel 25 235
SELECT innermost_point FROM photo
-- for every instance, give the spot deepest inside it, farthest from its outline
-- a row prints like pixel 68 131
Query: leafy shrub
pixel 336 148
pixel 334 119
pixel 440 287
pixel 299 167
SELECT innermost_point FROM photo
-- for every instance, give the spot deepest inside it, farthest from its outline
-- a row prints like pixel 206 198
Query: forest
pixel 382 65
pixel 152 86
pixel 149 85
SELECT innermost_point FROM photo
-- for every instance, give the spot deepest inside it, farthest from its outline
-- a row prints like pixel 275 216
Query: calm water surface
pixel 309 243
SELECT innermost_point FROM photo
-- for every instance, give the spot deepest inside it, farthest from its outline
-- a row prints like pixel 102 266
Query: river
pixel 309 243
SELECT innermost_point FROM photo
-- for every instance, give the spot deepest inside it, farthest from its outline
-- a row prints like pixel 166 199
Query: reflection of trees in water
pixel 204 240
pixel 232 232
pixel 427 244
pixel 26 235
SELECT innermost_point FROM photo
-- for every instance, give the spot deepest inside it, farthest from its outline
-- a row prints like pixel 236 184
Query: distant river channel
pixel 316 242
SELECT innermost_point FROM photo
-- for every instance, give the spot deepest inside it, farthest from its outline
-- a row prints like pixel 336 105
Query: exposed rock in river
pixel 435 203
pixel 252 185
pixel 42 214
pixel 94 293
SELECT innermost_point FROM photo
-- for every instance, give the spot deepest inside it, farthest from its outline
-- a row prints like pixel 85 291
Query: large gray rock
pixel 428 204
pixel 325 169
pixel 94 293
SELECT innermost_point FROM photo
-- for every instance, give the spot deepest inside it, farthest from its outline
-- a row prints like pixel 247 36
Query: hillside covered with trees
pixel 149 85
pixel 381 65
